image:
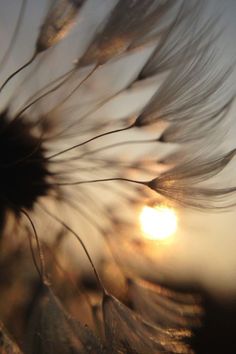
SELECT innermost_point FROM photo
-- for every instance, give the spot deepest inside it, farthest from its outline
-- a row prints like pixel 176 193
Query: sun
pixel 158 223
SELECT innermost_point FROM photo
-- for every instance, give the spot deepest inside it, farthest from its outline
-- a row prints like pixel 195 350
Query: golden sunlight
pixel 158 223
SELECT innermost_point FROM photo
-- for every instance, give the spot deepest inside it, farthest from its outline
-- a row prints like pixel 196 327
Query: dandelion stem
pixel 15 32
pixel 101 180
pixel 89 140
pixel 80 241
pixel 121 143
pixel 64 78
pixel 41 269
pixel 76 88
pixel 18 70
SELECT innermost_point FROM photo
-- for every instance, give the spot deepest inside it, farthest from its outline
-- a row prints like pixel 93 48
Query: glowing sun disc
pixel 158 223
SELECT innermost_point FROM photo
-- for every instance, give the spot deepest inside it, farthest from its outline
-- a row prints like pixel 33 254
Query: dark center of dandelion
pixel 23 169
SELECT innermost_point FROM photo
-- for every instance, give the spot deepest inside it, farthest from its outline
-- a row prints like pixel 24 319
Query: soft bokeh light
pixel 158 223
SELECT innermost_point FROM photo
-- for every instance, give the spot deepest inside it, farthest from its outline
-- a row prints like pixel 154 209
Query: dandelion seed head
pixel 24 171
pixel 96 168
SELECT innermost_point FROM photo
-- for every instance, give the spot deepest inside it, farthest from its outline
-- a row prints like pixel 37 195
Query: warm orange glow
pixel 158 223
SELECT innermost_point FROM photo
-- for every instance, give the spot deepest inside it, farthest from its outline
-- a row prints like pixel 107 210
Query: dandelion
pixel 74 164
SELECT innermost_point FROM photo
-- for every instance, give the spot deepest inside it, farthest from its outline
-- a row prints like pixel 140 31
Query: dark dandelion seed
pixel 69 163
pixel 22 162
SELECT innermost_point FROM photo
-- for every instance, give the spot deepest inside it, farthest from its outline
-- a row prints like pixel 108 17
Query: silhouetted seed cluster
pixel 68 164
pixel 22 162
